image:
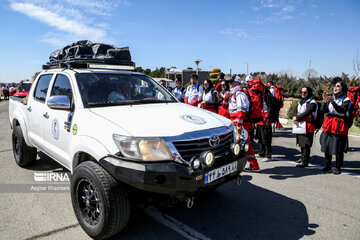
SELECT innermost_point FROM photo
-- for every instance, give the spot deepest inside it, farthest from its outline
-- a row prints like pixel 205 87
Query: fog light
pixel 246 147
pixel 196 163
pixel 237 149
pixel 209 159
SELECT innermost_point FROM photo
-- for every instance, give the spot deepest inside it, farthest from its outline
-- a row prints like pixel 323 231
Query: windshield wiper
pixel 109 103
pixel 154 101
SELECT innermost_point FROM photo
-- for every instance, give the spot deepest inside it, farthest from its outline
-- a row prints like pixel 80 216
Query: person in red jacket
pixel 263 128
pixel 223 111
pixel 194 92
pixel 334 138
pixel 209 98
pixel 305 111
pixel 220 78
pixel 237 101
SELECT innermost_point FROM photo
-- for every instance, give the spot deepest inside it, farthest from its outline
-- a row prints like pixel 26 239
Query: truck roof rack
pixel 88 55
pixel 90 64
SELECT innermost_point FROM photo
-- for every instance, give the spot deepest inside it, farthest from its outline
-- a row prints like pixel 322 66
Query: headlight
pixel 236 133
pixel 146 149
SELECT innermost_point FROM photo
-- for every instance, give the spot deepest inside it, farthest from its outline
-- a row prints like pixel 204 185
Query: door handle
pixel 29 109
pixel 46 115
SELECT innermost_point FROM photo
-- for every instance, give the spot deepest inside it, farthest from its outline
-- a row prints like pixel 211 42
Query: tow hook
pixel 238 180
pixel 189 202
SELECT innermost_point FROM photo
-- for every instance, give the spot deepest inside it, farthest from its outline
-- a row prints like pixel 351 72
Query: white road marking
pixel 174 224
pixel 312 166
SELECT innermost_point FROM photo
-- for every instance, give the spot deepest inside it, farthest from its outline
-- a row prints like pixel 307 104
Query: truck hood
pixel 154 120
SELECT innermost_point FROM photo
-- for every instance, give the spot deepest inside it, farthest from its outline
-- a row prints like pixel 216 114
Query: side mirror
pixel 59 102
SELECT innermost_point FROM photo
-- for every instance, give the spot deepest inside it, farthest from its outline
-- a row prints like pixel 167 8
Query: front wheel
pixel 101 206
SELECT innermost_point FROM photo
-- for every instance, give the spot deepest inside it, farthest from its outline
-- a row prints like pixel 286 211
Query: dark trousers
pixel 305 154
pixel 264 134
pixel 265 150
pixel 339 160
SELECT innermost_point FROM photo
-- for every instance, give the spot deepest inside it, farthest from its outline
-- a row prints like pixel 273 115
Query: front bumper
pixel 169 178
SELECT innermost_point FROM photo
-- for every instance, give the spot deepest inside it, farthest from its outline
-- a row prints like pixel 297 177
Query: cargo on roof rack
pixel 85 54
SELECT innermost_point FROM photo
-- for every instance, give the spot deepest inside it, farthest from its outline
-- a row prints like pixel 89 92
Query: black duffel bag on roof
pixel 87 52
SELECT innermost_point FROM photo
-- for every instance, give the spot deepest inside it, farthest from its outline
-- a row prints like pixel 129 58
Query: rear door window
pixel 42 87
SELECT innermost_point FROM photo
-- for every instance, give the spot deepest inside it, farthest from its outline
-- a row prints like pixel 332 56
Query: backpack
pixel 354 95
pixel 319 119
pixel 279 94
pixel 256 93
pixel 318 116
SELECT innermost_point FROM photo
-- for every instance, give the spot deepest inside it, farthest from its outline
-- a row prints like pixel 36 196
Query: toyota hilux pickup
pixel 102 124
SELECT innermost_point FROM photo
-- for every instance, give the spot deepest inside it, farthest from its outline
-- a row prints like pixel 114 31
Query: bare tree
pixel 356 65
pixel 310 73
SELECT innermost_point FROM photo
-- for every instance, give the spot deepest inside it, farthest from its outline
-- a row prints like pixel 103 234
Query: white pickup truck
pixel 109 129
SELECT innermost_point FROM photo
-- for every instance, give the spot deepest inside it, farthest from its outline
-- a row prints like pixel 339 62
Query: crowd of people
pixel 8 90
pixel 253 107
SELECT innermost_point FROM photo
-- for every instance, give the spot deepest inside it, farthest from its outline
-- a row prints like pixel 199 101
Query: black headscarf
pixel 309 90
pixel 211 85
pixel 344 87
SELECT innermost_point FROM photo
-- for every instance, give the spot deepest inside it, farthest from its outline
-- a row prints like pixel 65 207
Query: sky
pixel 271 36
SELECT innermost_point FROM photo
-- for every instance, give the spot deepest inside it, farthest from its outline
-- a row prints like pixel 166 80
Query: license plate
pixel 220 172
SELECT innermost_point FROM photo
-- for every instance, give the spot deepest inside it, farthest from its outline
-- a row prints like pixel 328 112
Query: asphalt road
pixel 281 202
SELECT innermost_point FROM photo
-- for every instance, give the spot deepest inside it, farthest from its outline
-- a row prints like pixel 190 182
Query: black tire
pixel 111 202
pixel 23 154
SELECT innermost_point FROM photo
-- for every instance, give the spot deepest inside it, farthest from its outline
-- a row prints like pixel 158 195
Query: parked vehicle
pixel 116 147
pixel 23 89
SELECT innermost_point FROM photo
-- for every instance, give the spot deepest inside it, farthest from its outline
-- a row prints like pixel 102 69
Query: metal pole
pixel 247 68
pixel 197 61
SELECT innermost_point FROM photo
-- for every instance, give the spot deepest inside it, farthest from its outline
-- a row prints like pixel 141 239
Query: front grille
pixel 191 148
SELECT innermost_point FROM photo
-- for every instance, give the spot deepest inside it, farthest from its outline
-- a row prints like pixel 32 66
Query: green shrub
pixel 291 110
pixel 357 121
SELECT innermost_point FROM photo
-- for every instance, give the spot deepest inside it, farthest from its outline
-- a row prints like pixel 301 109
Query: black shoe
pixel 326 169
pixel 302 165
pixel 337 171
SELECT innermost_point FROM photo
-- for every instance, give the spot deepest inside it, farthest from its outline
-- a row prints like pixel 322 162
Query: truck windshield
pixel 109 89
pixel 24 87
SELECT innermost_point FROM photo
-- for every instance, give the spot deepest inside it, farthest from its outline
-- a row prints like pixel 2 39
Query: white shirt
pixel 272 90
pixel 238 101
pixel 159 96
pixel 179 94
pixel 339 102
pixel 115 96
pixel 302 108
pixel 193 94
pixel 207 97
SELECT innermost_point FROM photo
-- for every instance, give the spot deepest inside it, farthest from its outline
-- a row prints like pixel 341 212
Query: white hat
pixel 248 78
pixel 237 79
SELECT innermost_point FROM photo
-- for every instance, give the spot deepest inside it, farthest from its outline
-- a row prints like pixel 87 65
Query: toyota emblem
pixel 214 141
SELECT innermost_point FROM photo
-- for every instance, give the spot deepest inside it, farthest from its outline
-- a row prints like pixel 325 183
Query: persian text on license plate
pixel 220 172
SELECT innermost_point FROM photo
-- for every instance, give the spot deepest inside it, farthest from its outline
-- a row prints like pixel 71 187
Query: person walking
pixel 209 98
pixel 5 91
pixel 305 111
pixel 238 104
pixel 194 92
pixel 334 138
